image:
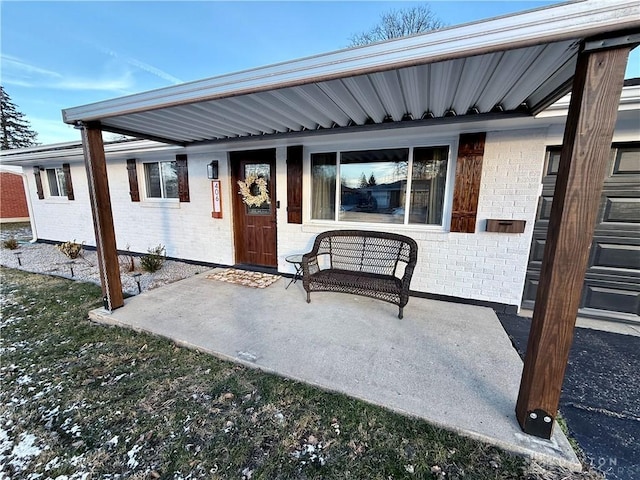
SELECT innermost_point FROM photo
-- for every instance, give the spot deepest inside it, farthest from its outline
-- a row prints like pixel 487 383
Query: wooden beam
pixel 586 148
pixel 96 165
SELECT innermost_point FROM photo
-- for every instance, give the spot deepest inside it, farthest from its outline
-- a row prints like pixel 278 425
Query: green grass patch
pixel 89 401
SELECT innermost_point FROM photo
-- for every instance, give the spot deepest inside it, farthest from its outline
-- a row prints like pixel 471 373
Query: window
pixel 401 185
pixel 627 159
pixel 161 179
pixel 57 183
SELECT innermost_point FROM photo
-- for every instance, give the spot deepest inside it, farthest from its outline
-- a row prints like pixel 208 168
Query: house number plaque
pixel 217 199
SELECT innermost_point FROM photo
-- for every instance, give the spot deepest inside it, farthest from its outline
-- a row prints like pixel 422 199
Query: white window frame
pixel 60 182
pixel 163 198
pixel 450 143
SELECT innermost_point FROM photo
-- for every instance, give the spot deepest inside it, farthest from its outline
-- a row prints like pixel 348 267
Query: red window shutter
pixel 134 192
pixel 67 180
pixel 36 174
pixel 294 184
pixel 183 178
pixel 467 184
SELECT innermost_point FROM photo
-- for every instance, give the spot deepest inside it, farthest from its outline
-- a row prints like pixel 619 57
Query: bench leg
pixel 400 313
pixel 308 297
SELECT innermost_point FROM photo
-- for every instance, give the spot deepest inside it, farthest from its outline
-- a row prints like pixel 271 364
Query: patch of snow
pixel 55 463
pixel 132 462
pixel 24 451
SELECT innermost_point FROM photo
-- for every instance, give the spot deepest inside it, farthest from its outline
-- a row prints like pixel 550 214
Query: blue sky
pixel 57 55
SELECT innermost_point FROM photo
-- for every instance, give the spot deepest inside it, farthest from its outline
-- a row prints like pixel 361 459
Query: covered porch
pixel 507 69
pixel 450 364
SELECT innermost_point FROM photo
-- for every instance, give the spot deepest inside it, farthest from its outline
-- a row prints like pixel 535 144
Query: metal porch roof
pixel 522 62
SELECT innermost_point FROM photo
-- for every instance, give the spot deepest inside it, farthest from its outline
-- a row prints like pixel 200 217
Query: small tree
pixel 372 180
pixel 363 181
pixel 15 131
pixel 399 23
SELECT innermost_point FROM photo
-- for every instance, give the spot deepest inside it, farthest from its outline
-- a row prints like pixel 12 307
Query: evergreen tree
pixel 363 181
pixel 372 180
pixel 15 131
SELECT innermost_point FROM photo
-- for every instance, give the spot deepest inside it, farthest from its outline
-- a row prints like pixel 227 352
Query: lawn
pixel 84 401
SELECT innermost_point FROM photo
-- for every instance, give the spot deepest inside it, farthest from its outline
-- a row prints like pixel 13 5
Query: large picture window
pixel 401 185
pixel 161 179
pixel 57 184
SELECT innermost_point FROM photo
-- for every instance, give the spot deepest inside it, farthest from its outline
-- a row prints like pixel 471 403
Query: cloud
pixel 18 72
pixel 124 83
pixel 53 131
pixel 141 65
pixel 20 67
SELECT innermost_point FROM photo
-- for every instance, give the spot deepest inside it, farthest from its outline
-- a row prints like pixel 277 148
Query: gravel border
pixel 47 259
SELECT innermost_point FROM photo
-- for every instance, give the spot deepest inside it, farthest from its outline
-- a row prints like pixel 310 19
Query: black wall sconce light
pixel 212 170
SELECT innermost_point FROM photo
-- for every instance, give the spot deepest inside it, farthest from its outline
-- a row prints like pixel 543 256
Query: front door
pixel 254 207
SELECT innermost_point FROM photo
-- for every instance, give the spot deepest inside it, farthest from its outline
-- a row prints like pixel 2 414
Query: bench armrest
pixel 309 264
pixel 406 277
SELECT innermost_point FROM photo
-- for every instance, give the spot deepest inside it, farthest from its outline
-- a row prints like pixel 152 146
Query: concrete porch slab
pixel 450 364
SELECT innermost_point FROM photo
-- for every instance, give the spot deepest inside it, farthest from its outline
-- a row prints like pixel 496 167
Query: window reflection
pixel 373 185
pixel 161 179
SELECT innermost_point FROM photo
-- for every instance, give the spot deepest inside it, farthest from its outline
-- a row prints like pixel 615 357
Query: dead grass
pixel 109 403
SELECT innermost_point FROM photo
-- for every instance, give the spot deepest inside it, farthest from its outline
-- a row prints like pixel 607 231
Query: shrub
pixel 127 261
pixel 153 261
pixel 71 249
pixel 10 243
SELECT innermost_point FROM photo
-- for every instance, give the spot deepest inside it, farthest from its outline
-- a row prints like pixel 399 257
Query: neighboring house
pixel 13 201
pixel 433 138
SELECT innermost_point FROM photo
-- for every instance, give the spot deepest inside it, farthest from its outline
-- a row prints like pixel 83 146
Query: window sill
pixel 160 203
pixel 56 200
pixel 375 226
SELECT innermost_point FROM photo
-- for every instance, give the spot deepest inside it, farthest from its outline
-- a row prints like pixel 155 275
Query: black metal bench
pixel 373 264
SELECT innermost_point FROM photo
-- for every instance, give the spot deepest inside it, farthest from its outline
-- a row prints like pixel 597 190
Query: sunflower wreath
pixel 245 190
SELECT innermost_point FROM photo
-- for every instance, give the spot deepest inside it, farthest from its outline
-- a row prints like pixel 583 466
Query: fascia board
pixel 629 100
pixel 565 22
pixel 52 153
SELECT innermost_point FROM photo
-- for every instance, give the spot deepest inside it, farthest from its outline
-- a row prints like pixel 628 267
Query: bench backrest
pixel 367 251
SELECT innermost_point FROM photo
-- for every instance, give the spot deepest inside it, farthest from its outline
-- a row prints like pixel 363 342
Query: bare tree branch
pixel 399 23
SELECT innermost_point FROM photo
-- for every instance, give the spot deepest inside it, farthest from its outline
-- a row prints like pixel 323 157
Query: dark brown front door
pixel 254 220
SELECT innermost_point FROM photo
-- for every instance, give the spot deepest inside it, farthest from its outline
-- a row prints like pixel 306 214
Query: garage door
pixel 612 282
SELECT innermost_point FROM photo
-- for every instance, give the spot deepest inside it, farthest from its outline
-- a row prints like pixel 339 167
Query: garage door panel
pixel 537 250
pixel 615 256
pixel 544 208
pixel 620 299
pixel 627 160
pixel 530 288
pixel 621 210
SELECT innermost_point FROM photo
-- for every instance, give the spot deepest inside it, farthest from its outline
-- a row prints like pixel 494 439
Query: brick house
pixel 13 201
pixel 466 131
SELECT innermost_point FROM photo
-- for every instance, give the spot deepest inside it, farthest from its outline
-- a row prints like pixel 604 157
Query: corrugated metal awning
pixel 514 63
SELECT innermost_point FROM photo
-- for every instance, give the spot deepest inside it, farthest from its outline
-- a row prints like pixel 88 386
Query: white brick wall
pixel 57 218
pixel 483 266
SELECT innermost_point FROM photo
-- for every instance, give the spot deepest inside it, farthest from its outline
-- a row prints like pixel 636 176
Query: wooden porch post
pixel 96 165
pixel 585 152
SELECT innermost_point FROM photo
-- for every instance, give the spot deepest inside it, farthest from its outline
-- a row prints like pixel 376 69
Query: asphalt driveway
pixel 601 395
